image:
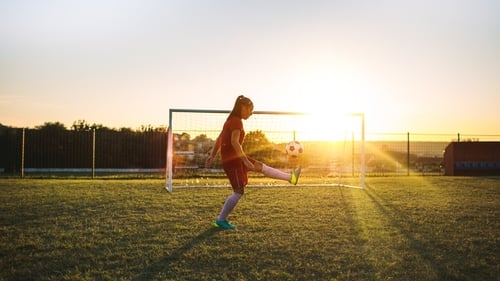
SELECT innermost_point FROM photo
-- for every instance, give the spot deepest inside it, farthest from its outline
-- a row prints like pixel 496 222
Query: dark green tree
pixel 51 126
pixel 82 125
pixel 258 146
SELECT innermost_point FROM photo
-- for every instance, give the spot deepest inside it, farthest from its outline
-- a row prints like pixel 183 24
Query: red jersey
pixel 227 151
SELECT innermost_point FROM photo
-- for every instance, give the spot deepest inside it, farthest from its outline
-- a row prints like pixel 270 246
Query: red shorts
pixel 237 173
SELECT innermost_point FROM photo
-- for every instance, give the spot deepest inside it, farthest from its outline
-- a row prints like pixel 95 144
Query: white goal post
pixel 332 156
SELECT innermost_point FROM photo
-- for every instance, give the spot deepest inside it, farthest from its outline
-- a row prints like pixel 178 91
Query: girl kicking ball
pixel 236 163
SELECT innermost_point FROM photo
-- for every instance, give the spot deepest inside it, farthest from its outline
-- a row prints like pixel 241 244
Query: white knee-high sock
pixel 229 205
pixel 275 173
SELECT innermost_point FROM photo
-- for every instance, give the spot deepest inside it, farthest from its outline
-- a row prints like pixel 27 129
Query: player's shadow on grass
pixel 164 264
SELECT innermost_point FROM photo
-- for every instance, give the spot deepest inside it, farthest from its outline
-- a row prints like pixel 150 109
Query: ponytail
pixel 241 101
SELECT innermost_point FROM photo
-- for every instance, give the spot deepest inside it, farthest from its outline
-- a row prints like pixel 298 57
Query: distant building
pixel 472 159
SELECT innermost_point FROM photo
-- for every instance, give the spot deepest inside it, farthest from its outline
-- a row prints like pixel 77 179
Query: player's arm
pixel 235 142
pixel 213 153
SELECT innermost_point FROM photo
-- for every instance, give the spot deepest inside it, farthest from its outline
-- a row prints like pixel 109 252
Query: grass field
pixel 398 228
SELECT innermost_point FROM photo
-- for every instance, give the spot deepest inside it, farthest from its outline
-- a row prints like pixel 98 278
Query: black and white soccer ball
pixel 294 149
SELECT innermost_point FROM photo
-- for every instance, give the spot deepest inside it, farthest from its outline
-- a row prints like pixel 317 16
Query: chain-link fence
pixel 89 153
pixel 35 152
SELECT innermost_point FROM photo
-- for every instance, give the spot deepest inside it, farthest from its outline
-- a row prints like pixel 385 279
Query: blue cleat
pixel 224 224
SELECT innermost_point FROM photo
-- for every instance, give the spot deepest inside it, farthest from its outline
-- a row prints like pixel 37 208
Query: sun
pixel 328 126
pixel 333 99
pixel 329 119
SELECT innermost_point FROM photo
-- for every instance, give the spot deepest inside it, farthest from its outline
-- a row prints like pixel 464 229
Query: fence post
pixel 408 153
pixel 93 153
pixel 22 151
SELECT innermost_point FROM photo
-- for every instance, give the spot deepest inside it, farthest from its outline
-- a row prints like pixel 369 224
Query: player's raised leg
pixel 274 173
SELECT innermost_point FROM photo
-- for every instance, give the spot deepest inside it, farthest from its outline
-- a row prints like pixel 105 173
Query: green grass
pixel 398 228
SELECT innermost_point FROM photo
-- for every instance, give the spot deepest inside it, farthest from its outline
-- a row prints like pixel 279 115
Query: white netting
pixel 333 149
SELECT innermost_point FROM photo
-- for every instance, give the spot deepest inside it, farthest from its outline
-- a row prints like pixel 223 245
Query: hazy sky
pixel 420 66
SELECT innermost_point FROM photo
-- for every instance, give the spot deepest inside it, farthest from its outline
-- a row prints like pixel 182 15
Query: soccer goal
pixel 333 147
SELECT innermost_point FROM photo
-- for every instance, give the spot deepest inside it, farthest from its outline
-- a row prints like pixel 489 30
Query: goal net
pixel 333 147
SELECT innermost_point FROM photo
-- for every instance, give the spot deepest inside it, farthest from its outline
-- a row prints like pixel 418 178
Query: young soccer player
pixel 236 163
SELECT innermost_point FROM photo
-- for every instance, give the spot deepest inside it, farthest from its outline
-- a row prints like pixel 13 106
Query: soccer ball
pixel 294 149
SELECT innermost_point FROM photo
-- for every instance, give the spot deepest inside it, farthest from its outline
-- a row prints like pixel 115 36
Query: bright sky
pixel 421 66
